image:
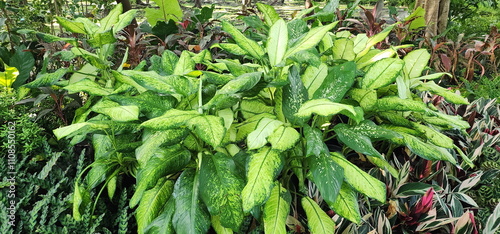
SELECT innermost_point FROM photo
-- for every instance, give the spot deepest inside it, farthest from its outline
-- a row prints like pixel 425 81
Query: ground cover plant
pixel 283 126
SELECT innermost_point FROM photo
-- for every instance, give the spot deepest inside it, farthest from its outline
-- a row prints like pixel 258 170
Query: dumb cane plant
pixel 241 138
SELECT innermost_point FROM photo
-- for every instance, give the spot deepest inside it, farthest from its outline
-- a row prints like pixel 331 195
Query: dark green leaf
pixel 327 175
pixel 338 81
pixel 47 79
pixel 314 145
pixel 294 95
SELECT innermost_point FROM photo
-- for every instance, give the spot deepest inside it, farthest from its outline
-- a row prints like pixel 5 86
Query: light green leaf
pixel 434 136
pixel 190 216
pixel 78 128
pixel 263 167
pixel 169 10
pixel 152 140
pixel 277 42
pixel 327 176
pixel 276 210
pixel 89 87
pixel 250 125
pixel 152 203
pixel 382 73
pixel 323 107
pixel 241 83
pixel 360 180
pixel 164 161
pixel 311 39
pixel 343 48
pixel 426 150
pixel 254 49
pixel 313 77
pixel 8 77
pixel 47 79
pixel 415 63
pixel 185 64
pixel 346 204
pixel 258 138
pixel 72 26
pixel 81 198
pixel 255 106
pixel 393 103
pixel 106 23
pixel 220 188
pixel 209 128
pixel 317 220
pixel 270 14
pixel 150 80
pixel 169 61
pixel 360 42
pixel 339 80
pixel 115 111
pixel 365 97
pixel 163 223
pixel 124 20
pixel 232 48
pixel 447 94
pixel 218 228
pixel 283 138
pixel 375 39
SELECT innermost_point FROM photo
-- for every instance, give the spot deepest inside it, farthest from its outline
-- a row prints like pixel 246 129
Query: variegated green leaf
pixel 220 188
pixel 433 136
pixel 360 180
pixel 89 87
pixel 277 42
pixel 294 95
pixel 326 175
pixel 343 48
pixel 270 14
pixel 323 107
pixel 152 203
pixel 313 77
pixel 232 48
pixel 258 138
pixel 382 73
pixel 283 138
pixel 394 103
pixel 317 220
pixel 263 167
pixel 185 64
pixel 72 26
pixel 116 111
pixel 150 80
pixel 209 128
pixel 339 80
pixel 346 204
pixel 152 140
pixel 438 90
pixel 415 62
pixel 79 128
pixel 311 39
pixel 218 228
pixel 163 223
pixel 355 140
pixel 46 79
pixel 276 210
pixel 106 23
pixel 426 150
pixel 254 49
pixel 171 119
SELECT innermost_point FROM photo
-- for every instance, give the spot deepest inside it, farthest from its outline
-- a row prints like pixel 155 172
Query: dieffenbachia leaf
pixel 355 140
pixel 276 210
pixel 270 14
pixel 241 83
pixel 89 87
pixel 323 107
pixel 433 136
pixel 46 79
pixel 171 119
pixel 343 48
pixel 326 175
pixel 339 80
pixel 164 161
pixel 152 140
pixel 220 188
pixel 277 42
pixel 317 220
pixel 250 125
pixel 415 63
pixel 79 128
pixel 393 103
pixel 72 26
pixel 283 138
pixel 365 97
pixel 190 216
pixel 313 77
pixel 360 180
pixel 258 138
pixel 294 95
pixel 375 39
pixel 152 202
pixel 163 223
pixel 184 65
pixel 346 204
pixel 314 144
pixel 232 48
pixel 254 49
pixel 81 198
pixel 311 39
pixel 382 73
pixel 106 23
pixel 150 80
pixel 115 111
pixel 217 226
pixel 263 167
pixel 438 90
pixel 423 149
pixel 209 128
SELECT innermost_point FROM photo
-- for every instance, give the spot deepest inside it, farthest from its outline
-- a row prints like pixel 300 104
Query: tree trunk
pixel 197 3
pixel 436 15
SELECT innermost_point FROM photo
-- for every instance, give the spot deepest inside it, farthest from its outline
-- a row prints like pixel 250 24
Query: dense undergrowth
pixel 187 124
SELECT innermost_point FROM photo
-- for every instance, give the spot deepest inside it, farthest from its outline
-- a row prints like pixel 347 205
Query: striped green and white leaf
pixel 313 77
pixel 249 45
pixel 311 39
pixel 152 203
pixel 276 210
pixel 493 222
pixel 323 107
pixel 277 42
pixel 220 188
pixel 283 138
pixel 116 111
pixel 326 175
pixel 163 162
pixel 360 180
pixel 382 73
pixel 339 80
pixel 415 63
pixel 447 94
pixel 191 216
pixel 346 204
pixel 89 87
pixel 263 167
pixel 317 220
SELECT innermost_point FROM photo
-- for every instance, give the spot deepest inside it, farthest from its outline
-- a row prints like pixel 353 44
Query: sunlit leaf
pixel 317 220
pixel 276 210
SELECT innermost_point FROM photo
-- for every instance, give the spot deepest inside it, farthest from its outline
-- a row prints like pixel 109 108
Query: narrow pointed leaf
pixel 360 180
pixel 263 167
pixel 150 80
pixel 270 14
pixel 493 222
pixel 276 210
pixel 426 150
pixel 447 94
pixel 317 220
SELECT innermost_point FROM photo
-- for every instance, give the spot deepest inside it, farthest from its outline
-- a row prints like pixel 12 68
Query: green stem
pixel 200 98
